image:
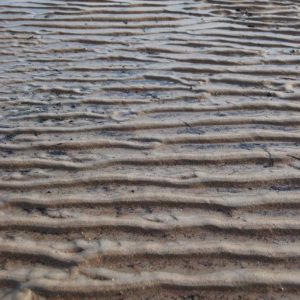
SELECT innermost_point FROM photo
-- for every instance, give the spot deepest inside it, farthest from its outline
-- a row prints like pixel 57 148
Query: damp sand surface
pixel 149 149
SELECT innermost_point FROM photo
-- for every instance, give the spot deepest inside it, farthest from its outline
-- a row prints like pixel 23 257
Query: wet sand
pixel 149 149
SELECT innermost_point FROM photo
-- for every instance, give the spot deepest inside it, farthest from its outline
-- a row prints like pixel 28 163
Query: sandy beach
pixel 149 149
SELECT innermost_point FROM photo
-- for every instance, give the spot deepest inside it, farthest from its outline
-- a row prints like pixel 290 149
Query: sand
pixel 149 149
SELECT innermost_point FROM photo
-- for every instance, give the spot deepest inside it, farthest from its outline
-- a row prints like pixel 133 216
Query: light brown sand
pixel 149 149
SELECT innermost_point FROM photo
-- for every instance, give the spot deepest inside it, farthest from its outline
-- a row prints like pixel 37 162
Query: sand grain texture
pixel 149 149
